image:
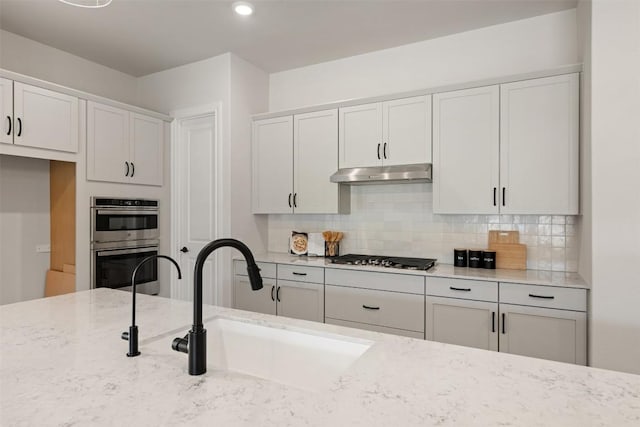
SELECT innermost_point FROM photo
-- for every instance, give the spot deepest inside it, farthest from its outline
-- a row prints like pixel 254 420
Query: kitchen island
pixel 62 362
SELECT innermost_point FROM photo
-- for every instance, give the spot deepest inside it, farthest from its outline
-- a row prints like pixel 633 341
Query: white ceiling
pixel 139 37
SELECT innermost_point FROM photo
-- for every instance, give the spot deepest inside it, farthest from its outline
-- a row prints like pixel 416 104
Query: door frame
pixel 221 220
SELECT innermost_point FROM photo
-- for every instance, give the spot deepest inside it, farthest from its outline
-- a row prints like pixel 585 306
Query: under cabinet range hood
pixel 383 174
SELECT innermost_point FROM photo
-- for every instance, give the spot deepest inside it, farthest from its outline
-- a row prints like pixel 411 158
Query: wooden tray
pixel 498 236
pixel 510 256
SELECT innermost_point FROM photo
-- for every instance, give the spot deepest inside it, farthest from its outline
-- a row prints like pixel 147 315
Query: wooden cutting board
pixel 510 256
pixel 498 236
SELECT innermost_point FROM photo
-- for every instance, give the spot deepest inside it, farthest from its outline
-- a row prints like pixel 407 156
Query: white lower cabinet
pixel 461 322
pixel 544 321
pixel 383 302
pixel 298 299
pixel 462 312
pixel 530 320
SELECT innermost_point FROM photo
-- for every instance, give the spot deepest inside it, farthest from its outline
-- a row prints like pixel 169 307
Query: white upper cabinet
pixel 272 151
pixel 107 143
pixel 360 135
pixel 293 158
pixel 145 149
pixel 43 118
pixel 529 167
pixel 386 133
pixel 406 131
pixel 6 111
pixel 123 146
pixel 466 151
pixel 539 146
pixel 315 158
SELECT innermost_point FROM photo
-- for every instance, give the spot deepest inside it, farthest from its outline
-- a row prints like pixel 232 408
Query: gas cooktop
pixel 385 261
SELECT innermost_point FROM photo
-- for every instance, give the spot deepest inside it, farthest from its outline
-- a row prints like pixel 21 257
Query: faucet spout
pixel 195 344
pixel 132 335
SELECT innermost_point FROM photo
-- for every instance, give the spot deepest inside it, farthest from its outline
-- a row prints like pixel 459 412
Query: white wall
pixel 585 220
pixel 24 223
pixel 615 144
pixel 249 95
pixel 210 82
pixel 25 56
pixel 531 44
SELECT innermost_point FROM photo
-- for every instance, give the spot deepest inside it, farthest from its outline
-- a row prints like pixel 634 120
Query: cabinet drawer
pixel 389 309
pixel 267 269
pixel 375 328
pixel 300 273
pixel 372 280
pixel 477 290
pixel 544 296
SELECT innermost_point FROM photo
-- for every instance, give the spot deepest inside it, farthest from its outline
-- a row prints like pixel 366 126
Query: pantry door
pixel 196 200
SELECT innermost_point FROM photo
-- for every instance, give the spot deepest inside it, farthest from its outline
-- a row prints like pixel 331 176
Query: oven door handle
pixel 127 251
pixel 126 212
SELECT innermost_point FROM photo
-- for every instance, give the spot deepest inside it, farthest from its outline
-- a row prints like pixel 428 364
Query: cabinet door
pixel 539 146
pixel 462 322
pixel 146 149
pixel 260 301
pixel 546 333
pixel 107 143
pixel 360 136
pixel 406 127
pixel 466 151
pixel 300 300
pixel 45 119
pixel 315 158
pixel 272 150
pixel 6 111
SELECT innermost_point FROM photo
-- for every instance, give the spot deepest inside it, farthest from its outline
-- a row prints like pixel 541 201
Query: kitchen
pixel 383 218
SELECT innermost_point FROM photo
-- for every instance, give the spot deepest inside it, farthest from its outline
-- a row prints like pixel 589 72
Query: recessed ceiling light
pixel 243 8
pixel 87 3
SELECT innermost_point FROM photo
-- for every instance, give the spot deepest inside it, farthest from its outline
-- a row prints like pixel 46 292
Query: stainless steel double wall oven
pixel 123 233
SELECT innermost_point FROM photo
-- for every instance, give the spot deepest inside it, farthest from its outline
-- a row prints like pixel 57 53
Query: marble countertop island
pixel 63 363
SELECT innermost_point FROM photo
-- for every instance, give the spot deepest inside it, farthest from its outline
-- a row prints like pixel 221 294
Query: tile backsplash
pixel 398 219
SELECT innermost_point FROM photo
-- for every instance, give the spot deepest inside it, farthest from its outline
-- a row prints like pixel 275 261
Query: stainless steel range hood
pixel 383 174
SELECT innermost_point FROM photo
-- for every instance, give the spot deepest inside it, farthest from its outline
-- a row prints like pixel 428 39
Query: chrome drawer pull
pixel 370 308
pixel 541 296
pixel 460 289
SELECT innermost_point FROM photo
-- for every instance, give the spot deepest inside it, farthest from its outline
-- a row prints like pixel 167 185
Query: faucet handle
pixel 125 336
pixel 181 344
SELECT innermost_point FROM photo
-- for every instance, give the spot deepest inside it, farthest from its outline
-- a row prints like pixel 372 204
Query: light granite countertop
pixel 63 363
pixel 531 277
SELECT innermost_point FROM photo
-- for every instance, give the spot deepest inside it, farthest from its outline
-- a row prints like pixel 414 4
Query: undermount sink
pixel 302 358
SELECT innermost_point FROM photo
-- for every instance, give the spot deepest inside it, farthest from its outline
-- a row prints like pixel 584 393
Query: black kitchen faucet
pixel 132 335
pixel 195 342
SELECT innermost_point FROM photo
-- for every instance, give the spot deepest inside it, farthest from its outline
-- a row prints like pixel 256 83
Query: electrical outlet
pixel 43 248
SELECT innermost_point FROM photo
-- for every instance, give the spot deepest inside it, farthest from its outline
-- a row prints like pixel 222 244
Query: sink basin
pixel 302 358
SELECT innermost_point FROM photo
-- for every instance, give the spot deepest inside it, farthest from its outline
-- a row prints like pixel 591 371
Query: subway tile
pixel 544 219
